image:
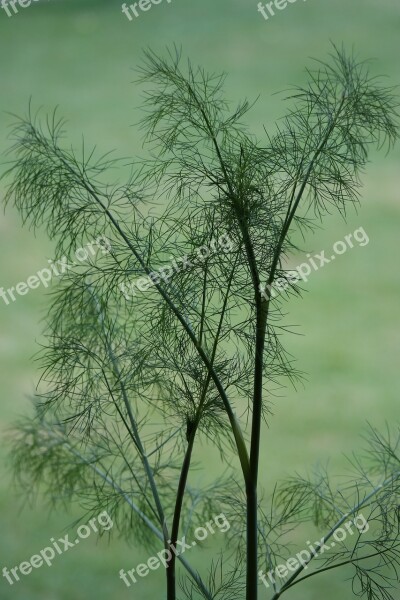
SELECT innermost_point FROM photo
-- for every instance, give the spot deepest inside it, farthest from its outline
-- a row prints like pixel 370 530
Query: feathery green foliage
pixel 133 379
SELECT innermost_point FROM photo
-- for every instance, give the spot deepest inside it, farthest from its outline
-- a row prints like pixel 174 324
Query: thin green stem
pixel 261 325
pixel 171 586
pixel 338 524
pixel 350 561
pixel 238 435
pixel 194 574
pixel 132 420
pixel 261 315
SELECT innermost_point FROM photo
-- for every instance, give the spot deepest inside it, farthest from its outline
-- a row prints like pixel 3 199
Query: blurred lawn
pixel 79 55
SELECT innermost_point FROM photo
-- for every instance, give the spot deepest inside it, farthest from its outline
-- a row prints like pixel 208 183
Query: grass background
pixel 79 54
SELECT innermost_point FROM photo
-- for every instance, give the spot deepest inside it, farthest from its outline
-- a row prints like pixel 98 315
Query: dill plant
pixel 129 387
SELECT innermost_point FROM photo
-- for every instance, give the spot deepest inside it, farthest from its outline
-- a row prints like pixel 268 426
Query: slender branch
pixel 236 203
pixel 164 442
pixel 194 574
pixel 261 324
pixel 238 435
pixel 292 209
pixel 350 561
pixel 338 524
pixel 188 454
pixel 132 420
pixel 251 490
pixel 261 327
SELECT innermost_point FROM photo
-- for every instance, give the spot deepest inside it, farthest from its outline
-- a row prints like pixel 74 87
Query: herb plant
pixel 135 376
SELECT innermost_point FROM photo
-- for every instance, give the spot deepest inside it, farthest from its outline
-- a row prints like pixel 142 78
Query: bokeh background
pixel 80 55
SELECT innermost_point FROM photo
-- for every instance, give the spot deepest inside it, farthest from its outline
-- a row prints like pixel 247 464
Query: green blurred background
pixel 80 55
